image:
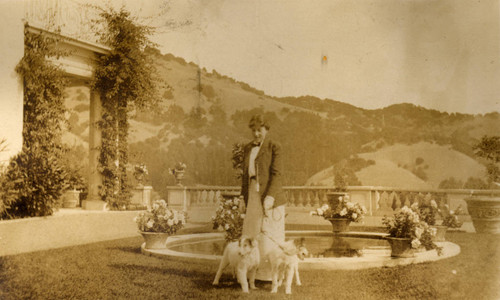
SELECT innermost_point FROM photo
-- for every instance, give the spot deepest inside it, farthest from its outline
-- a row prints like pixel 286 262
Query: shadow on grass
pixel 160 270
pixel 134 250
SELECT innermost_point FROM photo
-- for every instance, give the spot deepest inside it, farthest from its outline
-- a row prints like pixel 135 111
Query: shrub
pixel 33 184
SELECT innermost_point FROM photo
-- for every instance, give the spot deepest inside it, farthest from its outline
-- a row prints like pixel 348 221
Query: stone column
pixel 94 201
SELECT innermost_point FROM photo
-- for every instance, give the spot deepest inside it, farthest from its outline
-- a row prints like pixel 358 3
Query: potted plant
pixel 140 172
pixel 484 208
pixel 178 172
pixel 428 212
pixel 157 223
pixel 342 214
pixel 229 218
pixel 408 233
pixel 450 217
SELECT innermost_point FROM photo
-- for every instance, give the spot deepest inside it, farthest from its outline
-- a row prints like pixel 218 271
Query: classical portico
pixel 73 20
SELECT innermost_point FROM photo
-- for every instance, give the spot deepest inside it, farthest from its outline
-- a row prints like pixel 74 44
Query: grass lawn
pixel 117 270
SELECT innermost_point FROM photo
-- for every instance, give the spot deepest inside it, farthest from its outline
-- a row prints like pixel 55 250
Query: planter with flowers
pixel 159 222
pixel 141 194
pixel 229 218
pixel 342 214
pixel 450 217
pixel 428 212
pixel 408 233
pixel 178 172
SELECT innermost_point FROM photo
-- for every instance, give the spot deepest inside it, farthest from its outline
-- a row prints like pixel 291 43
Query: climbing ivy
pixel 35 179
pixel 125 79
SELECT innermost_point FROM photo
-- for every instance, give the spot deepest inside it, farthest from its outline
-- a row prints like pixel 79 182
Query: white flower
pixel 341 198
pixel 235 207
pixel 150 224
pixel 349 204
pixel 451 212
pixel 434 204
pixel 156 206
pixel 325 207
pixel 432 231
pixel 415 243
pixel 226 226
pixel 343 212
pixel 418 232
pixel 135 219
pixel 363 208
pixel 170 222
pixel 319 211
pixel 354 215
pixel 176 220
pixel 229 202
pixel 242 216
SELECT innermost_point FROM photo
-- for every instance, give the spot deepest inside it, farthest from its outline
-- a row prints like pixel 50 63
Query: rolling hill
pixel 421 165
pixel 203 114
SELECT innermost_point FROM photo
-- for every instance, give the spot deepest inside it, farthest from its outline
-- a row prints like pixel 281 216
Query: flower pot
pixel 485 213
pixel 400 247
pixel 339 224
pixel 155 240
pixel 440 233
pixel 71 199
pixel 179 175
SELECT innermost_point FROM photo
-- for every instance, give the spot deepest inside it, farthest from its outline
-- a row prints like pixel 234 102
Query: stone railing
pixel 379 201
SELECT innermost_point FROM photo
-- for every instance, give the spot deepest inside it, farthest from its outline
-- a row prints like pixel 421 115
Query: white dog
pixel 243 256
pixel 285 263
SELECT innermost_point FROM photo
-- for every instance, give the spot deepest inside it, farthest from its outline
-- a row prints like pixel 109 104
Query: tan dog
pixel 285 264
pixel 243 256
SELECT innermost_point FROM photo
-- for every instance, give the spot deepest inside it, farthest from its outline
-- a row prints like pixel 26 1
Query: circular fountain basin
pixel 344 251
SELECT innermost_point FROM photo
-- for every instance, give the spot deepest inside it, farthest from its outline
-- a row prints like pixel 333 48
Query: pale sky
pixel 440 54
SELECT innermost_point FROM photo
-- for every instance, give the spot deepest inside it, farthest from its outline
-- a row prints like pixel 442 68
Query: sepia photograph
pixel 245 149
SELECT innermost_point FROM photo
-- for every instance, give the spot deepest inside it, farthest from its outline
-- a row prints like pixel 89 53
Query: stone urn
pixel 485 213
pixel 401 247
pixel 339 224
pixel 179 175
pixel 154 240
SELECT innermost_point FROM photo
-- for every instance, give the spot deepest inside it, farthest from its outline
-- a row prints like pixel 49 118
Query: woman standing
pixel 263 193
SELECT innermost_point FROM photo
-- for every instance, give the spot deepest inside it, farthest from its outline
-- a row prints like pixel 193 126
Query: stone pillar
pixel 94 201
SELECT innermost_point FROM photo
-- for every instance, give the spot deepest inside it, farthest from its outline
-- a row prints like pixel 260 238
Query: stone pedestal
pixel 93 204
pixel 141 196
pixel 178 197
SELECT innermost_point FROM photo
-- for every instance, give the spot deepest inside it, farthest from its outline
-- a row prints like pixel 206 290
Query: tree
pixel 489 148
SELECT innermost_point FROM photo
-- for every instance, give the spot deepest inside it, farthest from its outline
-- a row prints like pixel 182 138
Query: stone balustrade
pixel 202 201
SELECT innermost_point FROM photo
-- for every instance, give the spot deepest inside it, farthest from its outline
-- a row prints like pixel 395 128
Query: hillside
pixel 421 165
pixel 204 113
